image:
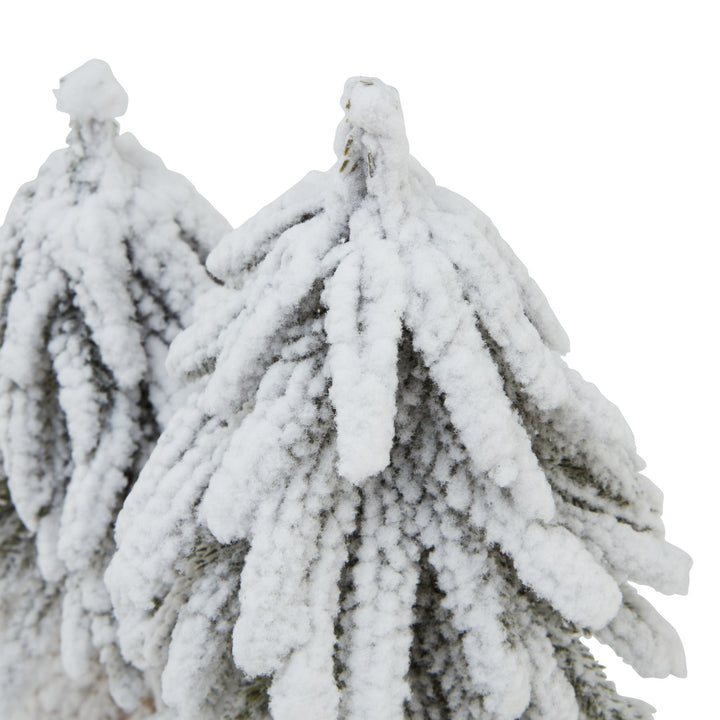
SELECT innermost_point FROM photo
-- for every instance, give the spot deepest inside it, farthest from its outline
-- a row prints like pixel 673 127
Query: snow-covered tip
pixel 373 106
pixel 91 93
pixel 373 124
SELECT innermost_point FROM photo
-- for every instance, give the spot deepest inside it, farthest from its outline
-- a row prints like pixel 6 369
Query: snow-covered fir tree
pixel 388 496
pixel 102 257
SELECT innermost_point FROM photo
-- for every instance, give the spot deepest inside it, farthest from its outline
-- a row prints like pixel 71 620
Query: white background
pixel 589 132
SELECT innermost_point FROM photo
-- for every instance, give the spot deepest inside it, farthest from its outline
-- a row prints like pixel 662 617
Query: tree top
pixel 371 138
pixel 91 92
pixel 374 107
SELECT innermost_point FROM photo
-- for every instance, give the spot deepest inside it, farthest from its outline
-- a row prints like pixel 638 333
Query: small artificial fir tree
pixel 102 258
pixel 388 487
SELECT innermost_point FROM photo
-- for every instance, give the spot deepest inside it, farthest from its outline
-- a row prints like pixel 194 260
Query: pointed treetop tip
pixel 373 106
pixel 91 92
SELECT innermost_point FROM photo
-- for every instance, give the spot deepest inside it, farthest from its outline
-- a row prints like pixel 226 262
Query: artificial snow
pixel 102 257
pixel 369 485
pixel 91 93
pixel 426 507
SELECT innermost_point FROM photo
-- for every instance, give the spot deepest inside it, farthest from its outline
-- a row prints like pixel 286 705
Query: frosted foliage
pixel 431 507
pixel 34 682
pixel 101 258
